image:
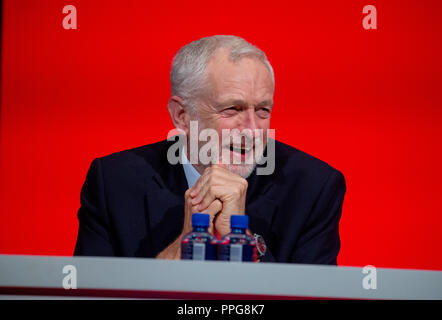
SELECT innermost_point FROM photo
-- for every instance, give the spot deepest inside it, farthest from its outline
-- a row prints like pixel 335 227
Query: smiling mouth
pixel 242 150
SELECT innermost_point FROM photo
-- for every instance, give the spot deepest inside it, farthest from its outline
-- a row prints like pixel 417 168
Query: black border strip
pixel 147 294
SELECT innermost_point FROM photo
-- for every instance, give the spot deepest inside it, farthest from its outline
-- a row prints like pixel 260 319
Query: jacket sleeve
pixel 94 237
pixel 319 242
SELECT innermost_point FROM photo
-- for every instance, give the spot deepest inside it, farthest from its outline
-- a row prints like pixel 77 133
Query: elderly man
pixel 138 203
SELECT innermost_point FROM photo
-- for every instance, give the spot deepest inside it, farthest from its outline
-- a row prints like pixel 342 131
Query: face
pixel 239 96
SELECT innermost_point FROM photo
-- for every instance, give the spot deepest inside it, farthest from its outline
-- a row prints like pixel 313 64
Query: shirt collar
pixel 189 170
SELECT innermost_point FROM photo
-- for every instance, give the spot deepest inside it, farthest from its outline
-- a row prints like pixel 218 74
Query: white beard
pixel 245 168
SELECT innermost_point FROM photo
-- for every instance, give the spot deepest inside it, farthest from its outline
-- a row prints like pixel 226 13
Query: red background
pixel 367 102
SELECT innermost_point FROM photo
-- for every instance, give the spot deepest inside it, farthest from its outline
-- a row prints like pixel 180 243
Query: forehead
pixel 246 78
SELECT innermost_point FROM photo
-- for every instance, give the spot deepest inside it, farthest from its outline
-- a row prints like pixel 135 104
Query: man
pixel 138 203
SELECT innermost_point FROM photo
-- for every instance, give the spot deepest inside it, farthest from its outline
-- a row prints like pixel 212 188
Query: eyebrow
pixel 231 102
pixel 268 103
pixel 242 103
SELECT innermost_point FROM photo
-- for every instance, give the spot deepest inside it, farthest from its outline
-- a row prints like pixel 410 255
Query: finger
pixel 210 174
pixel 214 177
pixel 201 191
pixel 187 213
pixel 222 224
pixel 203 179
pixel 207 197
pixel 200 186
pixel 199 183
pixel 190 191
pixel 213 210
pixel 228 193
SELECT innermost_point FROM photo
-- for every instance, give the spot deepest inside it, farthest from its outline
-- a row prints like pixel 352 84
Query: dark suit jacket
pixel 132 205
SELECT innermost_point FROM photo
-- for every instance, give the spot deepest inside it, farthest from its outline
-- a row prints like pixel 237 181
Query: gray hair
pixel 188 77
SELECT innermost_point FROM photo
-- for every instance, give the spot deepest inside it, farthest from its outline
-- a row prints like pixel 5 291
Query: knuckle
pixel 219 205
pixel 215 170
pixel 244 184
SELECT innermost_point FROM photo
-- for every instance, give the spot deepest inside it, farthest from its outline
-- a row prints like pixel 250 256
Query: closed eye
pixel 230 111
pixel 264 112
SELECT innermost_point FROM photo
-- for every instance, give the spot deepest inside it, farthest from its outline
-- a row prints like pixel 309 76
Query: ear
pixel 179 114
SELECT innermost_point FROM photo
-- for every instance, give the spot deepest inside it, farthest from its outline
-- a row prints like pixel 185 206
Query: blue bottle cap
pixel 200 220
pixel 239 222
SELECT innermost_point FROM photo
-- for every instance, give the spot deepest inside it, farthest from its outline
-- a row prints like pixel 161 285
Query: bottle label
pixel 199 251
pixel 186 251
pixel 236 252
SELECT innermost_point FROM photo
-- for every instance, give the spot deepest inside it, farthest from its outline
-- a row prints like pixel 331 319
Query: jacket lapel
pixel 260 207
pixel 166 218
pixel 165 205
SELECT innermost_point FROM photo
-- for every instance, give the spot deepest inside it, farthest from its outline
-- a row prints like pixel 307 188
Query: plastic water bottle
pixel 199 244
pixel 237 245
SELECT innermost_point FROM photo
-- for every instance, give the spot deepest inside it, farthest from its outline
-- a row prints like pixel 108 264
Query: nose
pixel 249 121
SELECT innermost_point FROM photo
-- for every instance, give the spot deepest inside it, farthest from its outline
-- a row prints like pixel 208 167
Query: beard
pixel 238 151
pixel 241 155
pixel 244 170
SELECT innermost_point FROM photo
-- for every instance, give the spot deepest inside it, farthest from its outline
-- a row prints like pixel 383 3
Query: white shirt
pixel 189 170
